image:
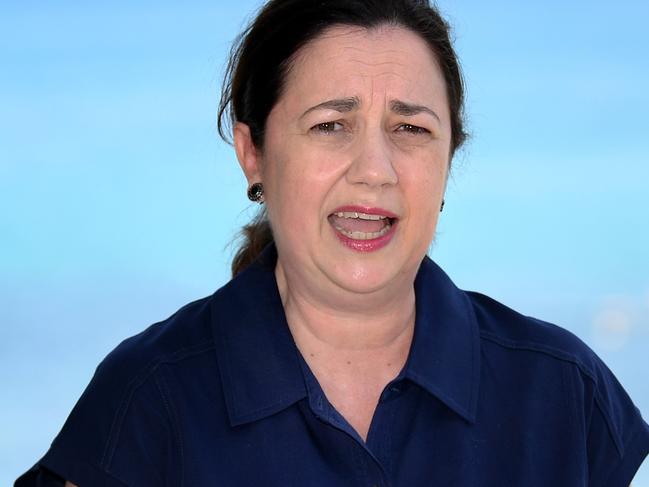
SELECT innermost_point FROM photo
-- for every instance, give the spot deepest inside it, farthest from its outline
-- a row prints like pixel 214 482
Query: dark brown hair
pixel 261 57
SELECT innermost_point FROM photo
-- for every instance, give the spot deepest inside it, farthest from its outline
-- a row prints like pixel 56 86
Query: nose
pixel 372 164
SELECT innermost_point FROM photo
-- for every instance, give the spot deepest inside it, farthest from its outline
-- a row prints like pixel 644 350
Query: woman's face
pixel 355 160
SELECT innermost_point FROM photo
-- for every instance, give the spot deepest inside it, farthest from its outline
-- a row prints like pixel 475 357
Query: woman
pixel 340 354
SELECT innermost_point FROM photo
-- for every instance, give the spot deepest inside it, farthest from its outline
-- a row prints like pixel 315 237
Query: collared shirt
pixel 219 395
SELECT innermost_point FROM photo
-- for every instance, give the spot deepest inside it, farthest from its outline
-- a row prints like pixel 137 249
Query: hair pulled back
pixel 263 53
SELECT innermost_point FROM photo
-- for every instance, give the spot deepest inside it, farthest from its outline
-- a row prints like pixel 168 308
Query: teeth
pixel 362 216
pixel 364 235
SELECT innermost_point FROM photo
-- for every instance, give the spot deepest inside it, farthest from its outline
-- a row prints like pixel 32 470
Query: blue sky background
pixel 118 200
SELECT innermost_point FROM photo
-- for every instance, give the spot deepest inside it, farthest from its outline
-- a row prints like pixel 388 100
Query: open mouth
pixel 361 226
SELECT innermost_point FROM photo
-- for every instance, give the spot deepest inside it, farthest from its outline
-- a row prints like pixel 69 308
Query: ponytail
pixel 255 236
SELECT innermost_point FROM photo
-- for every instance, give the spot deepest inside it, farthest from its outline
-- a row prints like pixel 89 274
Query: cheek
pixel 424 185
pixel 305 179
pixel 295 197
pixel 423 190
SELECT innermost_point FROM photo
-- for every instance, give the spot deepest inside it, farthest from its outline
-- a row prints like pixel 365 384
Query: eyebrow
pixel 342 105
pixel 345 105
pixel 409 109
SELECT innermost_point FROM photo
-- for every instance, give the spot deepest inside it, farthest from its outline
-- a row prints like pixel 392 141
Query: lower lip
pixel 370 245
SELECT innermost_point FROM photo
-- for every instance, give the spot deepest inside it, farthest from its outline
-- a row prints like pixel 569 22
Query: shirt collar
pixel 260 364
pixel 445 354
pixel 257 357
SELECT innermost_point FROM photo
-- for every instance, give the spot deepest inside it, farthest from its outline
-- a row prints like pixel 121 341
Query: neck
pixel 348 323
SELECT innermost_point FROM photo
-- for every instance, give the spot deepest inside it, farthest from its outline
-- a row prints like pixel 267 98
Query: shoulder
pixel 541 342
pixel 123 429
pixel 185 333
pixel 509 329
pixel 608 414
pixel 133 374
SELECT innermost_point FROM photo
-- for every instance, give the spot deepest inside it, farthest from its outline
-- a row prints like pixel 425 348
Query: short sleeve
pixel 118 434
pixel 617 436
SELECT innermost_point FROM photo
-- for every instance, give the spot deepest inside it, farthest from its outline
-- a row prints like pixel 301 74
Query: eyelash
pixel 329 128
pixel 412 129
pixel 326 127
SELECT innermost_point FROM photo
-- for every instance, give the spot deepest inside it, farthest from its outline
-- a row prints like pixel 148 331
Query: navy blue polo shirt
pixel 218 395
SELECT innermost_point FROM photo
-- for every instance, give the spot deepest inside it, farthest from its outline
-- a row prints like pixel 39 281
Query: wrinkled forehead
pixel 383 61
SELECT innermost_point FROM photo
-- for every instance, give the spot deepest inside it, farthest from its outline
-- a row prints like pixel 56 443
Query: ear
pixel 247 153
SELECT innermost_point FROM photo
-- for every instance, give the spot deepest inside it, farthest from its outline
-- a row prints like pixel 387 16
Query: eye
pixel 328 127
pixel 412 129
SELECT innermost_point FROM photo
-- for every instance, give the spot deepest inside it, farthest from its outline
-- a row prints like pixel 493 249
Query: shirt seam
pixel 56 463
pixel 173 418
pixel 475 364
pixel 566 357
pixel 572 404
pixel 629 463
pixel 134 384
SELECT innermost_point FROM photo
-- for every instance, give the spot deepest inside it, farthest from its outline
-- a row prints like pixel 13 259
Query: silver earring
pixel 256 193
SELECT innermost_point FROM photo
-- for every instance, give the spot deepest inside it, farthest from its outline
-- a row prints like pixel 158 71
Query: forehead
pixel 354 61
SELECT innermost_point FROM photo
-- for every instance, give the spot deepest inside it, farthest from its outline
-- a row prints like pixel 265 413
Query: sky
pixel 119 203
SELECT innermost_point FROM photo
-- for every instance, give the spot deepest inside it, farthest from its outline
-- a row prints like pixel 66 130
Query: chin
pixel 364 279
